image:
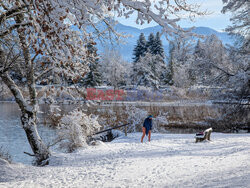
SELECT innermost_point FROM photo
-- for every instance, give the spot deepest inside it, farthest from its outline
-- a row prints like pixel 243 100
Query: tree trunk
pixel 28 119
pixel 39 149
pixel 28 106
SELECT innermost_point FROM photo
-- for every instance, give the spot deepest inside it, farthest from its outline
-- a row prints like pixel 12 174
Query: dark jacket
pixel 148 124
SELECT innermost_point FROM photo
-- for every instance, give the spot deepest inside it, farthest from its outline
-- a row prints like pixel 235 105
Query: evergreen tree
pixel 140 48
pixel 151 43
pixel 93 77
pixel 145 74
pixel 159 67
pixel 154 65
pixel 160 59
pixel 158 47
pixel 139 51
pixel 170 72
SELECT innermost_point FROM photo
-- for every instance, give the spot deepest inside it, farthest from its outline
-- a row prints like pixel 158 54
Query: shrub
pixel 160 120
pixel 75 128
pixel 136 117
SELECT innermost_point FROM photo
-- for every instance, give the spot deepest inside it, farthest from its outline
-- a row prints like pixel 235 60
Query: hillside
pixel 126 50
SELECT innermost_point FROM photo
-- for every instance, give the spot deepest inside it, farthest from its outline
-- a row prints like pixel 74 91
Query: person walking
pixel 146 129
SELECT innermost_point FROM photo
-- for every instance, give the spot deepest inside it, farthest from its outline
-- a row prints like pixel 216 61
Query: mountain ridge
pixel 126 50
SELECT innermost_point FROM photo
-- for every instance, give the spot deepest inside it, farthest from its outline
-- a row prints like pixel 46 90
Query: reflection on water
pixel 12 136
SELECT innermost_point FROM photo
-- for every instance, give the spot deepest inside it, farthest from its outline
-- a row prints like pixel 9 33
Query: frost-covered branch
pixel 221 69
pixel 240 19
pixel 14 11
pixel 75 129
pixel 168 14
pixel 11 28
pixel 3 5
pixel 43 73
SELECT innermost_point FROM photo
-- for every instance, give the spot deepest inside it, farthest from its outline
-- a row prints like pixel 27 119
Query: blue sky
pixel 216 20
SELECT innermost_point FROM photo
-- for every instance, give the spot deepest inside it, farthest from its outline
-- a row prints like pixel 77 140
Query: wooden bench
pixel 199 137
pixel 109 136
pixel 114 128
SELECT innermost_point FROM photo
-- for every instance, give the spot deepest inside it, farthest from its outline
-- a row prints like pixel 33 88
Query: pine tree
pixel 154 66
pixel 140 48
pixel 93 77
pixel 139 51
pixel 151 43
pixel 159 67
pixel 158 47
pixel 160 59
pixel 145 73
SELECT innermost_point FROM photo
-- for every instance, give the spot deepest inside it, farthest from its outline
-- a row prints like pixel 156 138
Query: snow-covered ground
pixel 169 160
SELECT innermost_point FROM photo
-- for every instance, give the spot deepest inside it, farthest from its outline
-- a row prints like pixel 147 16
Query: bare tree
pixel 114 69
pixel 180 61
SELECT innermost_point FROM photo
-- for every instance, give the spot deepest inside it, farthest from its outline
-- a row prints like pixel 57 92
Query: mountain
pixel 126 50
pixel 223 36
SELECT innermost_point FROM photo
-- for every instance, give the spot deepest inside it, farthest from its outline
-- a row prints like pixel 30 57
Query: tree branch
pixel 189 9
pixel 139 6
pixel 43 73
pixel 33 59
pixel 227 73
pixel 10 12
pixel 32 155
pixel 11 28
pixel 4 6
pixel 55 142
pixel 80 92
pixel 15 91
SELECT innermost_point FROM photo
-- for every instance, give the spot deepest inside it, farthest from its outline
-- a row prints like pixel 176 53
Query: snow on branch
pixel 166 14
pixel 240 17
pixel 13 27
pixel 15 10
pixel 75 129
pixel 59 30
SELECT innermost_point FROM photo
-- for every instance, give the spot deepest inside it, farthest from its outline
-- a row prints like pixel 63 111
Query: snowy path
pixel 169 160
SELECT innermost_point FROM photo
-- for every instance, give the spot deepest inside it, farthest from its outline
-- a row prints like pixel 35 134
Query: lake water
pixel 12 135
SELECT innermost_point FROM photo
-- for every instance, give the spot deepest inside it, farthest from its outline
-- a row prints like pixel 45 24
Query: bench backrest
pixel 208 133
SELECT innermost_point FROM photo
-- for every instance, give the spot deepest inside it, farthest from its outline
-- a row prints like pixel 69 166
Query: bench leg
pixel 209 134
